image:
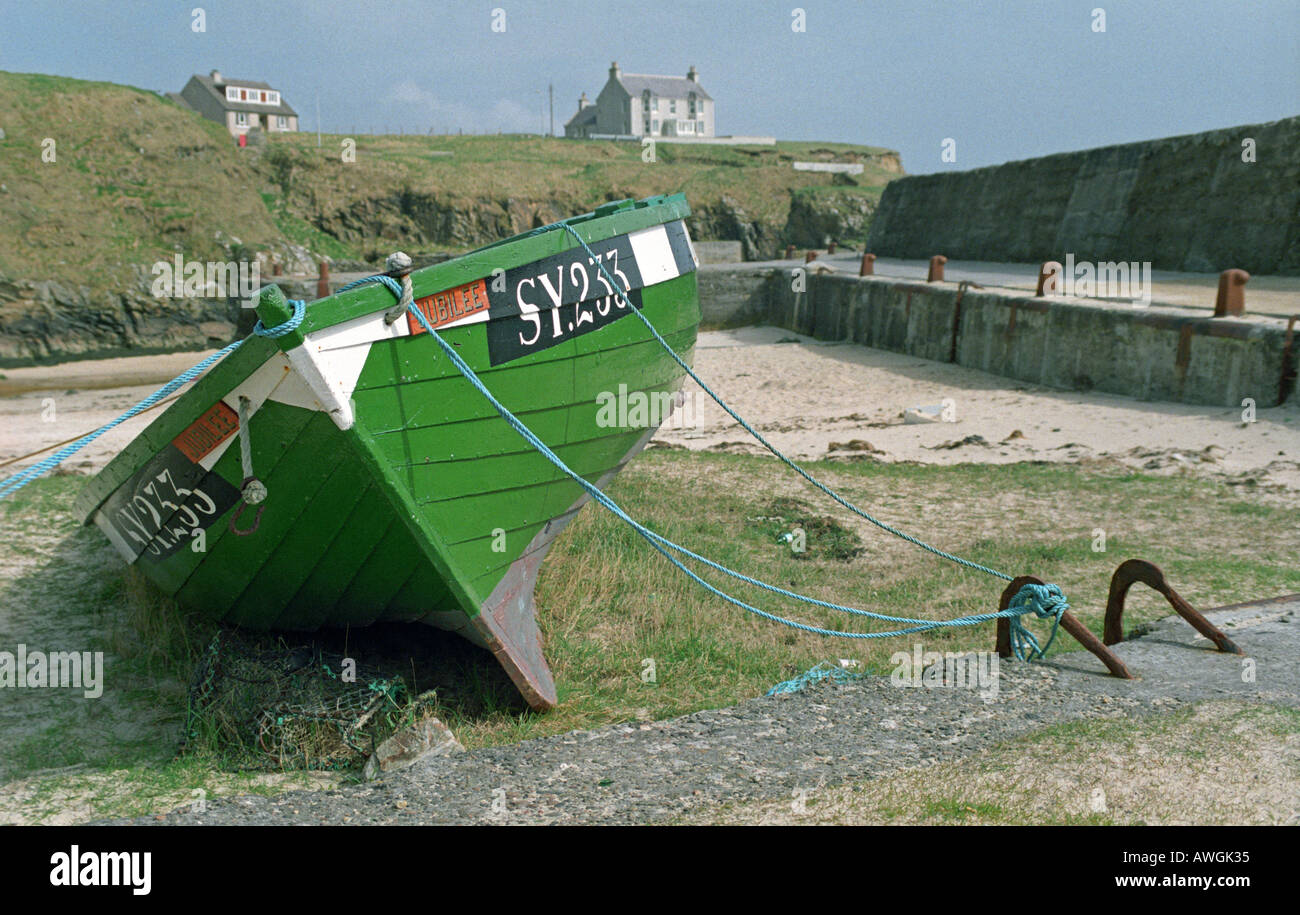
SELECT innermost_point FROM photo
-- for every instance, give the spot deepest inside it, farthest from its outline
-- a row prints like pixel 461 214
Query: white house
pixel 239 104
pixel 645 105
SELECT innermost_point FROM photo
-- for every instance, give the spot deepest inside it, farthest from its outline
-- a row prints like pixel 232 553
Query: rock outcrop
pixel 49 320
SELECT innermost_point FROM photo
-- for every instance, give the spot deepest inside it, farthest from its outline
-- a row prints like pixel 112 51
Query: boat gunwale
pixel 480 263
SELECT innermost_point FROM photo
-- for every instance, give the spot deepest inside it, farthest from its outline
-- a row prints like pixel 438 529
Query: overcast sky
pixel 1005 80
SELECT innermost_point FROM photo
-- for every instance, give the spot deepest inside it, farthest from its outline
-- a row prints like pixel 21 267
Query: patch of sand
pixel 814 400
pixel 809 398
pixel 44 405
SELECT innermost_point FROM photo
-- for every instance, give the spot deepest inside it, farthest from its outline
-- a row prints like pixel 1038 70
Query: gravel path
pixel 767 747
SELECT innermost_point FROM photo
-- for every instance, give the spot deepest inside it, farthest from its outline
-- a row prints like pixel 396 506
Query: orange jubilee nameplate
pixel 450 305
pixel 207 432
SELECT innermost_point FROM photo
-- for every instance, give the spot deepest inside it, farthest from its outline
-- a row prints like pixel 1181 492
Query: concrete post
pixel 868 267
pixel 323 283
pixel 1231 300
pixel 789 252
pixel 809 257
pixel 936 269
pixel 1049 278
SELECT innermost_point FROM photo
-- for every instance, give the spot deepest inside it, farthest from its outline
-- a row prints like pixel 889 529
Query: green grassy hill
pixel 135 179
pixel 459 192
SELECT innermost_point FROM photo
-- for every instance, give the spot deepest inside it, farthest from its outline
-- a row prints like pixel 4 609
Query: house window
pixel 255 96
pixel 654 103
pixel 281 122
pixel 672 106
pixel 241 119
pixel 656 127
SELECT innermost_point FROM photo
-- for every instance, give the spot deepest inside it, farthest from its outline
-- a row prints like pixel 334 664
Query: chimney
pixel 582 101
pixel 692 74
pixel 216 76
pixel 613 70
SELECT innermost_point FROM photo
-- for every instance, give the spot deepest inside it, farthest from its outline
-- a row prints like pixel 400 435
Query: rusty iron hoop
pixel 1139 570
pixel 1069 622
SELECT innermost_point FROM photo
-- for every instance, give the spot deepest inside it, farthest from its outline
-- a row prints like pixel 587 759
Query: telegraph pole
pixel 551 91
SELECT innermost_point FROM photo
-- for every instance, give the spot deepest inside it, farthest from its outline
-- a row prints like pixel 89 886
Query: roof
pixel 662 86
pixel 178 99
pixel 585 116
pixel 218 91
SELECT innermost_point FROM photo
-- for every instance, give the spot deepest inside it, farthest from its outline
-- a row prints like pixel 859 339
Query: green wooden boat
pixel 395 490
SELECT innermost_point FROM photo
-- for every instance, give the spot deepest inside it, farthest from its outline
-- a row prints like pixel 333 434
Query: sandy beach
pixel 814 399
pixel 810 398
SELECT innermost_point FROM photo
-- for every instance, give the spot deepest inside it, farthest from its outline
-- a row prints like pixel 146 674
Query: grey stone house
pixel 644 105
pixel 241 105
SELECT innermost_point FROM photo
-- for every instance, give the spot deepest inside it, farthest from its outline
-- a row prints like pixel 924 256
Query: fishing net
pixel 279 707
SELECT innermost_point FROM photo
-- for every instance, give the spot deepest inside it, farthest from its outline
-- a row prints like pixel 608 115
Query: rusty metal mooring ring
pixel 1135 570
pixel 1129 572
pixel 1069 622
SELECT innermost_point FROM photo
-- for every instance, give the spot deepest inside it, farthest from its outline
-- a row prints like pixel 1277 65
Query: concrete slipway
pixel 769 748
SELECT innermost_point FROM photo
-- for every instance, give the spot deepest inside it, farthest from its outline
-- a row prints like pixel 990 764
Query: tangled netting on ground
pixel 280 707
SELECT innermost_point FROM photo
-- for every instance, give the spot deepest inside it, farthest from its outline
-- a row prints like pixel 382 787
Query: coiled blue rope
pixel 664 545
pixel 23 477
pixel 823 671
pixel 289 325
pixel 1045 602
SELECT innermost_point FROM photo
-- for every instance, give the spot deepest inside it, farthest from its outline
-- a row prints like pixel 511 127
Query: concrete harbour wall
pixel 1151 353
pixel 719 252
pixel 732 296
pixel 1183 203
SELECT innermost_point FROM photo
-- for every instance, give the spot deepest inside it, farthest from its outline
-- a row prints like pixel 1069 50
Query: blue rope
pixel 288 327
pixel 1043 601
pixel 823 671
pixel 22 478
pixel 772 448
pixel 663 545
pixel 393 286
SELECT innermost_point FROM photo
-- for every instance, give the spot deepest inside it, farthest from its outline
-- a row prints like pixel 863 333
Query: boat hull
pixel 396 491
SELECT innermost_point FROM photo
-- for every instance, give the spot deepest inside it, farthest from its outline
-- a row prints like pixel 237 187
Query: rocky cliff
pixel 1182 203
